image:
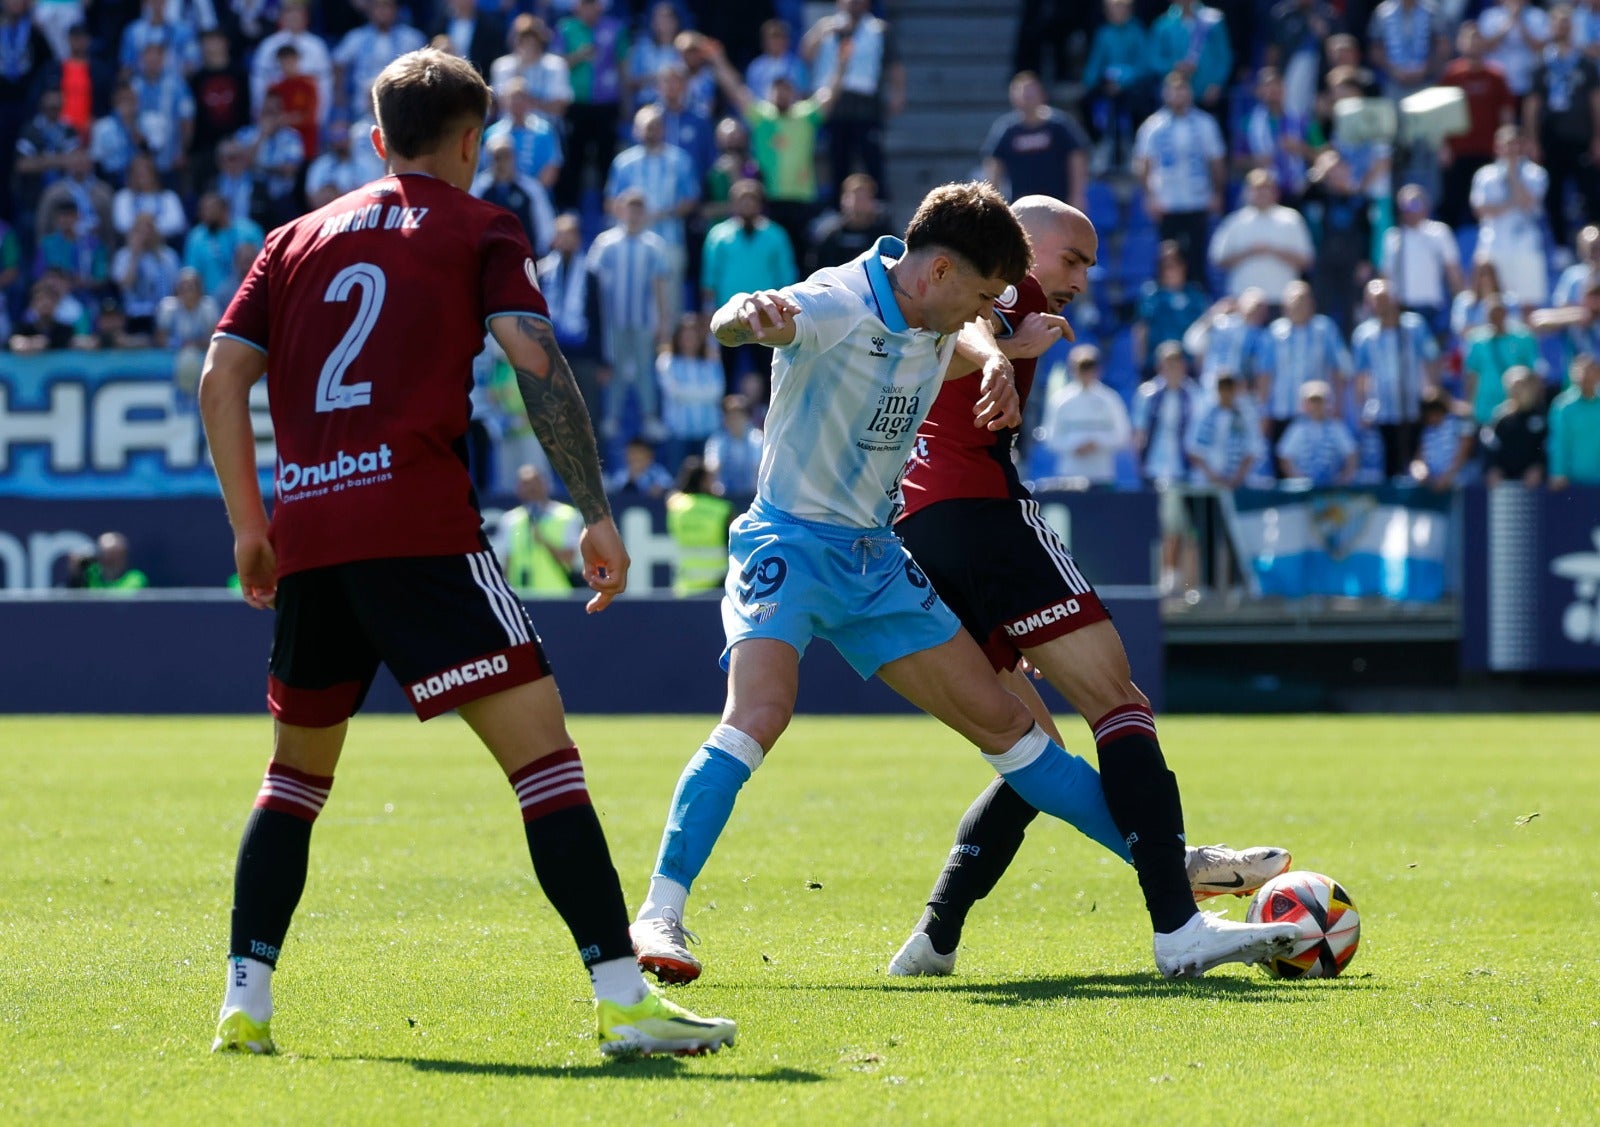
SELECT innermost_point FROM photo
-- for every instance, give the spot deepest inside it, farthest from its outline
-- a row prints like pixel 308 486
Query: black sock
pixel 570 856
pixel 990 834
pixel 271 871
pixel 1143 797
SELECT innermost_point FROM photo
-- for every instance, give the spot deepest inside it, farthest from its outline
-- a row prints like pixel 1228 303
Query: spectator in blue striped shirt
pixel 1405 42
pixel 733 454
pixel 1393 354
pixel 1163 408
pixel 777 60
pixel 1449 437
pixel 1318 446
pixel 1301 347
pixel 533 139
pixel 630 263
pixel 277 153
pixel 175 36
pixel 366 50
pixel 166 110
pixel 1224 442
pixel 690 375
pixel 664 175
pixel 1228 338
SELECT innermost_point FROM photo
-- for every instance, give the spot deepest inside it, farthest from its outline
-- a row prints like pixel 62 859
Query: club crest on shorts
pixel 761 612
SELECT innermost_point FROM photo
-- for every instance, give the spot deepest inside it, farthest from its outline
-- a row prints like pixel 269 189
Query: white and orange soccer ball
pixel 1330 927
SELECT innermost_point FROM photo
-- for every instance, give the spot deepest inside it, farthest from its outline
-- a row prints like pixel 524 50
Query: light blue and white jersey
pixel 1439 444
pixel 1162 414
pixel 1180 149
pixel 163 106
pixel 1406 33
pixel 1224 438
pixel 1397 361
pixel 627 266
pixel 364 52
pixel 1294 355
pixel 534 140
pixel 1316 450
pixel 1570 286
pixel 1230 344
pixel 667 179
pixel 848 396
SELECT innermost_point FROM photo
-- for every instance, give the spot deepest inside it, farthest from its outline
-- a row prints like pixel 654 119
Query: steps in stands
pixel 957 55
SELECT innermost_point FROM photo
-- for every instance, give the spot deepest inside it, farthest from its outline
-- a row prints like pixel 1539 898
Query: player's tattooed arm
pixel 556 410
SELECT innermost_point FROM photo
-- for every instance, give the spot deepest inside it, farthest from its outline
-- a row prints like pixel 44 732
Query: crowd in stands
pixel 1278 302
pixel 1273 300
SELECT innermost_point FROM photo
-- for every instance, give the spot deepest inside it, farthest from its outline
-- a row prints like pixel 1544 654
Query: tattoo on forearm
pixel 561 421
pixel 734 334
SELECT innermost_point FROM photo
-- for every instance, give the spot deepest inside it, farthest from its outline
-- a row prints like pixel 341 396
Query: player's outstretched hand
pixel 1037 333
pixel 998 405
pixel 605 563
pixel 767 312
pixel 257 565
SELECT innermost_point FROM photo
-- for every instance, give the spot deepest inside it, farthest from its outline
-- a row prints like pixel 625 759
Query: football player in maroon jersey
pixel 978 534
pixel 368 313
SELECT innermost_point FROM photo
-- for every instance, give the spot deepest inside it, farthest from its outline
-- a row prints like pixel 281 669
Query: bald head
pixel 1065 245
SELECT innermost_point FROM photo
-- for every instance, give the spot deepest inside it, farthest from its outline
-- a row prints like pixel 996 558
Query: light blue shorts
pixel 793 580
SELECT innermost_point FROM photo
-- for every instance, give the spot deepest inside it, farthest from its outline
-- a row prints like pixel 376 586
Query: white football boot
pixel 1208 941
pixel 917 958
pixel 1216 870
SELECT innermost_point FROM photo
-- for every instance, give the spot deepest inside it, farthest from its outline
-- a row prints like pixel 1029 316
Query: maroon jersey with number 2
pixel 370 311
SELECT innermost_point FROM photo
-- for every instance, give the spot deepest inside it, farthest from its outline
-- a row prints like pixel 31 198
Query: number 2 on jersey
pixel 333 394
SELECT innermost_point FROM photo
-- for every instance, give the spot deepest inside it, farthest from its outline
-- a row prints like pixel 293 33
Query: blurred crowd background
pixel 1273 303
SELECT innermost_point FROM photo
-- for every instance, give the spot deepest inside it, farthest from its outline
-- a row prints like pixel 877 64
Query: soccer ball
pixel 1329 926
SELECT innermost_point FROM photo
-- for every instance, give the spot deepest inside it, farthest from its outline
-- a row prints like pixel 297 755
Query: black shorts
pixel 1003 571
pixel 449 628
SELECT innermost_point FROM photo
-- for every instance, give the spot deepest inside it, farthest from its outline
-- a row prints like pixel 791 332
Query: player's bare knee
pixel 762 721
pixel 999 722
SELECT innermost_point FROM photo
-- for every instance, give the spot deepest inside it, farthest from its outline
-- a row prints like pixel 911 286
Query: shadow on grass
pixel 635 1068
pixel 1063 986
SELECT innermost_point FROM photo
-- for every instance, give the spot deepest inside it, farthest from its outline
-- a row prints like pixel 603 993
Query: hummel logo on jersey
pixel 877 348
pixel 1056 612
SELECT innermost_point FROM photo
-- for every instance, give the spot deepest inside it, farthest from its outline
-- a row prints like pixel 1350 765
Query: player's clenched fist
pixel 999 406
pixel 767 312
pixel 605 563
pixel 1035 336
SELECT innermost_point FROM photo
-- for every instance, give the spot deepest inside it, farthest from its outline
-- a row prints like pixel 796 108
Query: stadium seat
pixel 1120 372
pixel 1138 218
pixel 1467 243
pixel 1136 260
pixel 1104 210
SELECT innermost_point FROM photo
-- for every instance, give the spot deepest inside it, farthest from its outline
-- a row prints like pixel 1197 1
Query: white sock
pixel 249 987
pixel 618 980
pixel 665 898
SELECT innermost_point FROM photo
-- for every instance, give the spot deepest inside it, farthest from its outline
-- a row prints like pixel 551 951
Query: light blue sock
pixel 703 802
pixel 1062 785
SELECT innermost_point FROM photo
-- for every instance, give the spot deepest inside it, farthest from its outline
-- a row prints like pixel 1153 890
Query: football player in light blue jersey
pixel 861 352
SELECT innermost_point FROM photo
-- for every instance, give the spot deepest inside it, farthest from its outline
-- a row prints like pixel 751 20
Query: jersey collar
pixel 889 313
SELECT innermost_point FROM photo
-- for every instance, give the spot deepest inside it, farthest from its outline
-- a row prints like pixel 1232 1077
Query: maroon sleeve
pixel 246 317
pixel 509 282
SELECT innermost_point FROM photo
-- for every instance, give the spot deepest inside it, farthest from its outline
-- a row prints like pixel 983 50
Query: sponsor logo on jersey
pixel 464 674
pixel 341 471
pixel 1055 612
pixel 877 348
pixel 892 419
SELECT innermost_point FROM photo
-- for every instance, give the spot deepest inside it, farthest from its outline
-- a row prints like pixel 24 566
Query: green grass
pixel 426 980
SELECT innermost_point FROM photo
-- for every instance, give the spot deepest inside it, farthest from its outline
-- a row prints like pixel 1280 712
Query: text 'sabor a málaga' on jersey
pixel 369 365
pixel 952 458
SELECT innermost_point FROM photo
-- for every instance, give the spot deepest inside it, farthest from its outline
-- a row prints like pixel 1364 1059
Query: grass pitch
pixel 427 980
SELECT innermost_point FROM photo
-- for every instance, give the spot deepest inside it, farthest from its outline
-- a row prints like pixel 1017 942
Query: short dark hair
pixel 974 223
pixel 422 95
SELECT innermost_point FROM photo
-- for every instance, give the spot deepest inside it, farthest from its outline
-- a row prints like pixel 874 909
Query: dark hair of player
pixel 421 96
pixel 975 224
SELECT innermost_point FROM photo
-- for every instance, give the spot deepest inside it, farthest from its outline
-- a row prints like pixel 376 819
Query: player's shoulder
pixel 1026 297
pixel 832 293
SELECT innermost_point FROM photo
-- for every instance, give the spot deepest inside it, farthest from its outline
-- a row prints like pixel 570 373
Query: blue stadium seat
pixel 1136 260
pixel 1104 211
pixel 1138 218
pixel 1120 372
pixel 1467 243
